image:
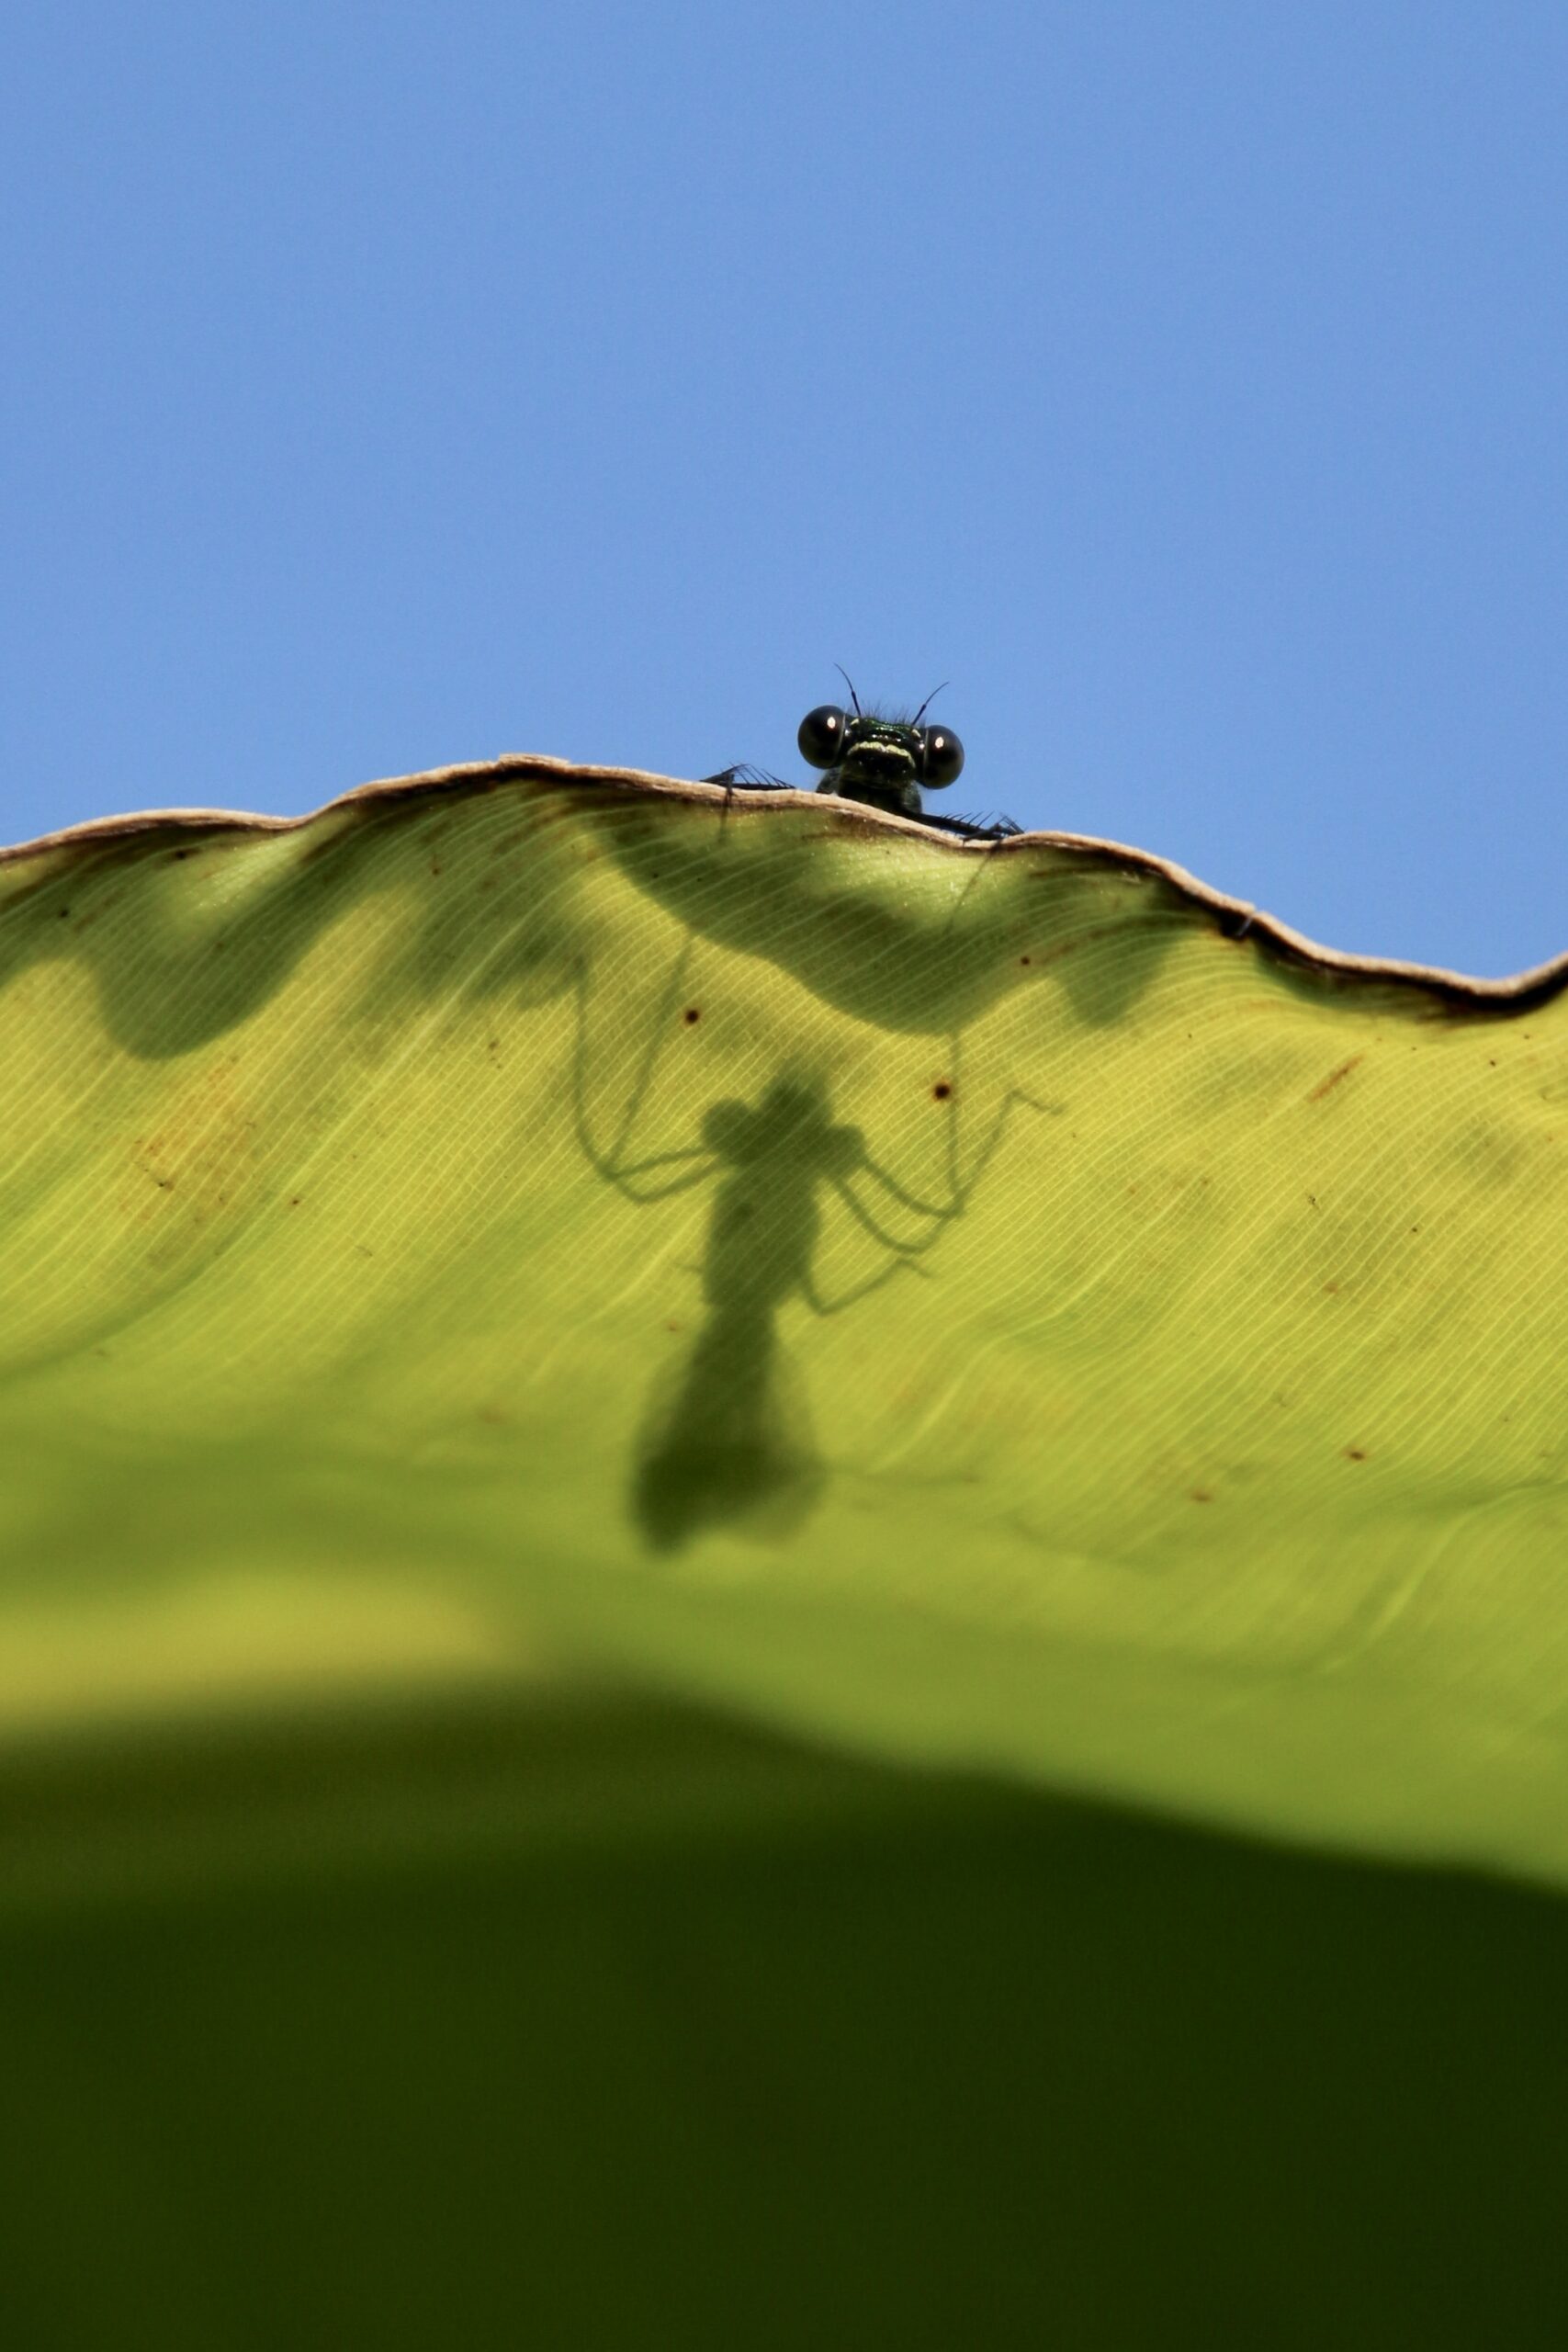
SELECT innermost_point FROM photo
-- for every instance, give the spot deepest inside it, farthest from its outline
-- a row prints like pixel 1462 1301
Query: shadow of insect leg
pixel 870 1223
pixel 961 1183
pixel 610 1162
pixel 852 1297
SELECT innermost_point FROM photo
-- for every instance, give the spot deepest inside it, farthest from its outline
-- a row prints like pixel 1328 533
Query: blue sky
pixel 398 385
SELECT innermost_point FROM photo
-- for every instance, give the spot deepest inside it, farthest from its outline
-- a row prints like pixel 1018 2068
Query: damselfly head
pixel 876 757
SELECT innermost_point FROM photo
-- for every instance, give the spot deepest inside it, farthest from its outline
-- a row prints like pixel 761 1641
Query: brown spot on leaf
pixel 941 1089
pixel 1327 1085
pixel 203 1149
pixel 692 1014
pixel 1355 1453
pixel 1203 1495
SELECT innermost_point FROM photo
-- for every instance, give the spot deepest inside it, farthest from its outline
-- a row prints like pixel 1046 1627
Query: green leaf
pixel 967 1301
pixel 577 2025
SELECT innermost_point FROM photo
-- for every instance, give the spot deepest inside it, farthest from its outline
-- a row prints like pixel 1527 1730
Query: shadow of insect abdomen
pixel 734 1441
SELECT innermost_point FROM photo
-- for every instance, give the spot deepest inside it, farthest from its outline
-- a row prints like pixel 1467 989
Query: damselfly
pixel 879 759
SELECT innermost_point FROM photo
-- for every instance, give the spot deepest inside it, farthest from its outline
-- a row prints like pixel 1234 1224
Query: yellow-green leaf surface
pixel 989 1305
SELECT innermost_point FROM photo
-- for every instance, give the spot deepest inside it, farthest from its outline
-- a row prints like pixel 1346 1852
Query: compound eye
pixel 942 756
pixel 823 733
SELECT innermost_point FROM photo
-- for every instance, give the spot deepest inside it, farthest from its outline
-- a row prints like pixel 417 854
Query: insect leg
pixel 972 829
pixel 744 779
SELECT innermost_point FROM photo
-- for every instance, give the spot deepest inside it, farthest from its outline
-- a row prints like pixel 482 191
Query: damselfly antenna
pixel 850 683
pixel 925 704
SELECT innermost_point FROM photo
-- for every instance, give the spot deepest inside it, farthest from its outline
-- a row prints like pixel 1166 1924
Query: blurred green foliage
pixel 603 2024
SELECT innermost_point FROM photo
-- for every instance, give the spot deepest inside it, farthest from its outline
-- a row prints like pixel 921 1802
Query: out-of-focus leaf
pixel 612 2026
